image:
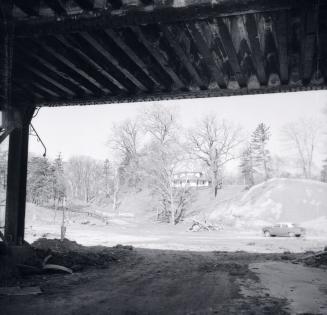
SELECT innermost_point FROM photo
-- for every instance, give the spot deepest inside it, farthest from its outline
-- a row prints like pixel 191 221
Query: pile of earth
pixel 64 253
pixel 318 260
pixel 73 255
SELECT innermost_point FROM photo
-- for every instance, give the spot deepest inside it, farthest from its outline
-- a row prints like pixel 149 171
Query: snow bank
pixel 293 200
pixel 277 200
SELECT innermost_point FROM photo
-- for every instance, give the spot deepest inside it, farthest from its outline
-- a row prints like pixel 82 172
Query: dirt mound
pixel 73 255
pixel 64 253
pixel 57 245
pixel 316 259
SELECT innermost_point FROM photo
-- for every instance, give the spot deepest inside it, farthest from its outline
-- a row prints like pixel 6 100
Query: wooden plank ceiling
pixel 94 51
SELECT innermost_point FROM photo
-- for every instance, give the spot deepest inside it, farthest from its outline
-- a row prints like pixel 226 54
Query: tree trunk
pixel 63 226
pixel 116 190
pixel 215 183
pixel 172 206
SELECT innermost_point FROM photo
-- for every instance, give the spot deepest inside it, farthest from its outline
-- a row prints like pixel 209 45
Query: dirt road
pixel 169 282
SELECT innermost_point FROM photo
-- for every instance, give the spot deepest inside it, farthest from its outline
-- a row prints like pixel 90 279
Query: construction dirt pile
pixel 316 259
pixel 46 256
pixel 73 255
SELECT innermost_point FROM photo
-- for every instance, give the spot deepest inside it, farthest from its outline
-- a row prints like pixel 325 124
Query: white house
pixel 190 179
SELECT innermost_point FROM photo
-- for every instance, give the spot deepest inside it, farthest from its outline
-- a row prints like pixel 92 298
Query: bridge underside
pixel 65 52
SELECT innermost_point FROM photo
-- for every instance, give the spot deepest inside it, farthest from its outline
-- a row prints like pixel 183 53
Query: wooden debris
pixel 203 226
pixel 54 267
pixel 57 268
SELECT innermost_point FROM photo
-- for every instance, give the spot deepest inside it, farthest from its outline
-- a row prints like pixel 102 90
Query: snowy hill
pixel 279 200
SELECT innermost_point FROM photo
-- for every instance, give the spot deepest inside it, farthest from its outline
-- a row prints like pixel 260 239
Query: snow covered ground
pixel 278 200
pixel 242 214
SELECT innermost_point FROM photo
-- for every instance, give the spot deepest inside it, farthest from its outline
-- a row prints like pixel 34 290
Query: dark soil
pixel 142 281
pixel 14 266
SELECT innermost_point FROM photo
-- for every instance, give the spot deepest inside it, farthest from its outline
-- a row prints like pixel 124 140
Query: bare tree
pixel 161 164
pixel 161 123
pixel 302 137
pixel 125 141
pixel 214 143
pixel 164 153
pixel 85 177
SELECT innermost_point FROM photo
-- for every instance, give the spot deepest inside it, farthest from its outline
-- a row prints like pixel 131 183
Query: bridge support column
pixel 16 183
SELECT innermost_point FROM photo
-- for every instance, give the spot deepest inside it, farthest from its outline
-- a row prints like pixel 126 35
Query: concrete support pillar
pixel 16 184
pixel 6 53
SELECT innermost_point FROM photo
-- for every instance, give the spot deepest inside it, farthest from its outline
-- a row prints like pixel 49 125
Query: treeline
pixel 80 179
pixel 147 151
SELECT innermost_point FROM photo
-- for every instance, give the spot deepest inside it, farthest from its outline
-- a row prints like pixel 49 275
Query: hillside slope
pixel 277 200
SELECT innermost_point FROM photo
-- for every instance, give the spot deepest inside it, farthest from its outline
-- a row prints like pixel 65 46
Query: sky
pixel 84 130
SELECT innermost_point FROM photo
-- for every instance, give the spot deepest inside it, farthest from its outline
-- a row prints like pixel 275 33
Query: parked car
pixel 283 229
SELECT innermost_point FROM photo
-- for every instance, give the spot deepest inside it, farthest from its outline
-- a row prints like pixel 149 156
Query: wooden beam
pixel 132 55
pixel 53 67
pixel 162 61
pixel 77 70
pixel 202 46
pixel 81 60
pixel 164 80
pixel 295 42
pixel 230 50
pixel 57 6
pixel 257 54
pixel 30 7
pixel 37 91
pixel 85 4
pixel 95 65
pixel 36 78
pixel 173 95
pixel 173 42
pixel 45 78
pixel 170 12
pixel 47 90
pixel 310 13
pixel 270 51
pixel 119 64
pixel 281 32
pixel 24 95
pixel 155 35
pixel 16 180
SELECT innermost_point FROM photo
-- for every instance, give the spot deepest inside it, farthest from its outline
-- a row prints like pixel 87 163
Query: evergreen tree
pixel 324 172
pixel 40 181
pixel 247 166
pixel 261 154
pixel 59 184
